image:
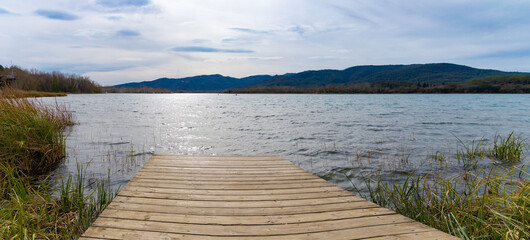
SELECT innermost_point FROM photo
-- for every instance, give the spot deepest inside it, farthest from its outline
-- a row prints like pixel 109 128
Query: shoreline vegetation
pixel 487 202
pixel 35 83
pixel 136 90
pixel 503 84
pixel 17 93
pixel 32 145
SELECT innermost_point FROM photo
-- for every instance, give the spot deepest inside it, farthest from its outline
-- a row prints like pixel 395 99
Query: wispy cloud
pixel 352 14
pixel 227 40
pixel 200 40
pixel 248 30
pixel 56 15
pixel 86 68
pixel 208 49
pixel 3 11
pixel 322 57
pixel 85 46
pixel 123 3
pixel 115 18
pixel 299 29
pixel 518 53
pixel 127 33
pixel 265 58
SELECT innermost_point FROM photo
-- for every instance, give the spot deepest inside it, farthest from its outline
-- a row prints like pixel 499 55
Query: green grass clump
pixel 469 155
pixel 484 205
pixel 31 134
pixel 32 145
pixel 30 211
pixel 470 202
pixel 508 149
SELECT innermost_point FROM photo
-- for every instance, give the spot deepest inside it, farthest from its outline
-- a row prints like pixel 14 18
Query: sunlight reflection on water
pixel 324 134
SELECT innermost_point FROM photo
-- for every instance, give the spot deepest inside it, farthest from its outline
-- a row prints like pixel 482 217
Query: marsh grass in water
pixel 470 154
pixel 32 134
pixel 32 212
pixel 508 148
pixel 471 203
pixel 32 145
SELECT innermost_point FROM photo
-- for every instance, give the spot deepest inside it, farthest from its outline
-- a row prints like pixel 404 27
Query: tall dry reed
pixel 32 144
pixel 32 134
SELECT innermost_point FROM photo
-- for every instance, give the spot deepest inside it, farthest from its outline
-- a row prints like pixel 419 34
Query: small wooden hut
pixel 6 80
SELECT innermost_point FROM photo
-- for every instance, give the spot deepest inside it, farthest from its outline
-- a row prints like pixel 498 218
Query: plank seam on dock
pixel 267 194
pixel 305 205
pixel 199 200
pixel 240 194
pixel 256 215
pixel 235 189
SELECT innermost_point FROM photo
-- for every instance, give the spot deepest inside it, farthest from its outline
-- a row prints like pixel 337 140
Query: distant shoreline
pixel 518 84
pixel 504 84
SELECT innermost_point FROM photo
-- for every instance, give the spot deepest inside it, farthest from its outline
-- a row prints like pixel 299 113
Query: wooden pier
pixel 244 197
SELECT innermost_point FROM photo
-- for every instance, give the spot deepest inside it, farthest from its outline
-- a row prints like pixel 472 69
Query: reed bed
pixel 17 93
pixel 31 211
pixel 471 202
pixel 31 145
pixel 32 134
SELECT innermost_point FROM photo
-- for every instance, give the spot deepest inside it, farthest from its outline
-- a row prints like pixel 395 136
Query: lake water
pixel 332 136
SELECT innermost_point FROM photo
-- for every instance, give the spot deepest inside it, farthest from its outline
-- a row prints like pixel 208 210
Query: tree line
pixel 135 90
pixel 503 84
pixel 35 80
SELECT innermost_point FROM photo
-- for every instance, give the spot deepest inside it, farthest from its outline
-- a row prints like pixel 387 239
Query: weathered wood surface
pixel 244 197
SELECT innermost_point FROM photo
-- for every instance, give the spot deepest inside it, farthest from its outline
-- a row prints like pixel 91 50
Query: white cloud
pixel 136 40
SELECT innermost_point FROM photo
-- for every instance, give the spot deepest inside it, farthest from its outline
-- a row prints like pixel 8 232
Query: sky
pixel 118 41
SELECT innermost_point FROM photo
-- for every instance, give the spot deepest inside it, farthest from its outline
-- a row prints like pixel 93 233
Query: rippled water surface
pixel 332 136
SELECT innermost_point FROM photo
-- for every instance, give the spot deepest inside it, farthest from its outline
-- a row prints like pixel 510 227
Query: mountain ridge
pixel 412 73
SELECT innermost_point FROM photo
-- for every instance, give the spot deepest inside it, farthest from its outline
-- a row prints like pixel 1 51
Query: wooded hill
pixel 423 73
pixel 502 84
pixel 202 83
pixel 406 76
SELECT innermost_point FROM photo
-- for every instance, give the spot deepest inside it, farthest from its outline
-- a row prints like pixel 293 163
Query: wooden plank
pixel 230 182
pixel 243 197
pixel 247 220
pixel 225 162
pixel 218 211
pixel 251 230
pixel 221 192
pixel 237 204
pixel 140 183
pixel 431 235
pixel 199 170
pixel 224 174
pixel 217 164
pixel 350 233
pixel 223 167
pixel 206 197
pixel 278 162
pixel 193 177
